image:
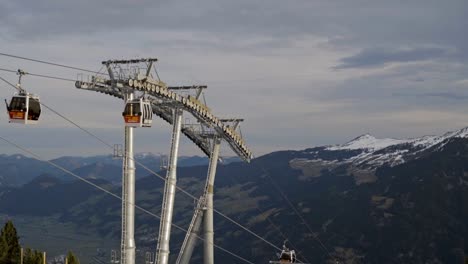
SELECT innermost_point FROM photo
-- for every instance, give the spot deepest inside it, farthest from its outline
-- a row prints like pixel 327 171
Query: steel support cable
pixel 246 229
pixel 214 210
pixel 287 239
pixel 52 77
pixel 40 75
pixel 100 73
pixel 7 70
pixel 152 172
pixel 64 117
pixel 278 230
pixel 299 215
pixel 110 193
pixel 50 63
pixel 303 220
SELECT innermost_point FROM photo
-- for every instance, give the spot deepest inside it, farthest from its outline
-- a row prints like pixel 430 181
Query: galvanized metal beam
pixel 186 251
pixel 208 229
pixel 162 249
pixel 128 198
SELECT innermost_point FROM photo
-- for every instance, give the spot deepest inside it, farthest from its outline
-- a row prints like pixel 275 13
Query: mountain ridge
pixel 14 173
pixel 364 210
pixel 369 141
pixel 369 152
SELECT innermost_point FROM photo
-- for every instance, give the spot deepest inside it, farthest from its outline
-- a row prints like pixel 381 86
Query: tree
pixel 32 257
pixel 72 259
pixel 3 251
pixel 10 249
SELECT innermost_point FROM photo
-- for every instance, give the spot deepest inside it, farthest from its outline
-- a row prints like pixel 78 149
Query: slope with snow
pixel 370 152
pixel 368 142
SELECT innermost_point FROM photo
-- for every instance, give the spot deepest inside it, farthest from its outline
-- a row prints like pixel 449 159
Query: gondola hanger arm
pixel 20 74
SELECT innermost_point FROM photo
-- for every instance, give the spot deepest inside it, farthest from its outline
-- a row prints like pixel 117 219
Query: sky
pixel 301 73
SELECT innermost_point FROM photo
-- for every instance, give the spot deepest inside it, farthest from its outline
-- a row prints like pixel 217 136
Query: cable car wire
pixel 109 145
pixel 277 228
pixel 7 70
pixel 102 141
pixel 89 133
pixel 50 63
pixel 154 173
pixel 51 77
pixel 299 215
pixel 64 117
pixel 111 193
pixel 40 75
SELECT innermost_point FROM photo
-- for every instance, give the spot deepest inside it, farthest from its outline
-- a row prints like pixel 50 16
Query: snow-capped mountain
pixel 367 153
pixel 369 142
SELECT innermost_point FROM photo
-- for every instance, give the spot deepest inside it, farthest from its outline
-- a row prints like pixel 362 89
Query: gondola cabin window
pixel 34 110
pixel 18 104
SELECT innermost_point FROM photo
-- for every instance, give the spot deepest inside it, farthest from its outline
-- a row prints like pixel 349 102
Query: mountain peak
pixel 463 133
pixel 364 137
pixel 367 141
pixel 375 152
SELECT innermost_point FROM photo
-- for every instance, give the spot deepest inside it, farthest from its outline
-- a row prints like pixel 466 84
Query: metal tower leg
pixel 190 240
pixel 162 249
pixel 208 248
pixel 128 199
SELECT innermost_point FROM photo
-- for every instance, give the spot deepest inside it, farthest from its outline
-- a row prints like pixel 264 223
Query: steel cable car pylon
pixel 166 104
pixel 204 210
pixel 203 213
pixel 128 197
pixel 190 239
pixel 24 108
pixel 162 249
pixel 208 229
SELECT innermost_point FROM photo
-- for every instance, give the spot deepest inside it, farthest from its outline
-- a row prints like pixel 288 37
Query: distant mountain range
pixel 16 170
pixel 367 201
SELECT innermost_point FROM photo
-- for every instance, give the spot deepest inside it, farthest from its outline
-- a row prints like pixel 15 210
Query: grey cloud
pixel 45 19
pixel 359 19
pixel 389 89
pixel 227 41
pixel 344 24
pixel 445 95
pixel 379 57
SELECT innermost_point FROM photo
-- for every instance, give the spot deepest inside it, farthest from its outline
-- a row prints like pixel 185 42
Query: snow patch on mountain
pixel 368 142
pixel 430 141
pixel 371 152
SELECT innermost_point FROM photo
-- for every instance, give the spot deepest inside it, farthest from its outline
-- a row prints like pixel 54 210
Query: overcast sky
pixel 301 73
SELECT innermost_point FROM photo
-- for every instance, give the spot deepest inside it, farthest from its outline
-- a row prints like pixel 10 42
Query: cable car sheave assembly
pixel 132 81
pixel 24 108
pixel 163 100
